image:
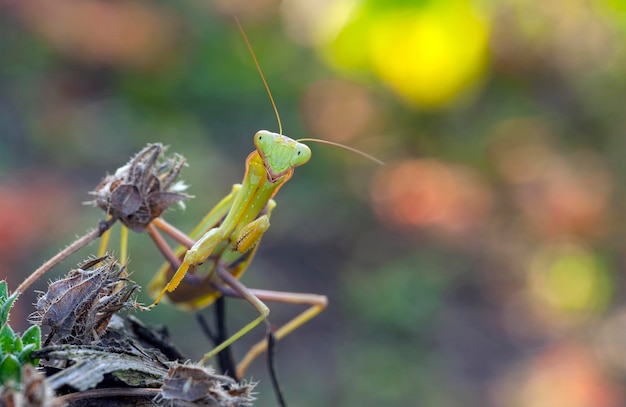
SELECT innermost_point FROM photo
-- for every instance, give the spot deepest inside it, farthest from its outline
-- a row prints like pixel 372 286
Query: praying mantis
pixel 210 261
pixel 229 237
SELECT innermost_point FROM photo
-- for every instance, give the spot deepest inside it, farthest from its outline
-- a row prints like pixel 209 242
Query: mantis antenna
pixel 352 149
pixel 280 125
pixel 258 67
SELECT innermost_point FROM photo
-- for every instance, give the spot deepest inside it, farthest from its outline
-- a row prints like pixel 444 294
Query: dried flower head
pixel 142 189
pixel 200 386
pixel 78 308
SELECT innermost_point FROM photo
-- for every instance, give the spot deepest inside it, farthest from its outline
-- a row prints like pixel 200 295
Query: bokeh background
pixel 482 266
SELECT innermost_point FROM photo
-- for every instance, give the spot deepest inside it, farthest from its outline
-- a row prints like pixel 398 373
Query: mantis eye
pixel 262 139
pixel 301 155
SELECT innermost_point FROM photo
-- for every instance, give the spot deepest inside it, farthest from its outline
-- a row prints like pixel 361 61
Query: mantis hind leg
pixel 244 292
pixel 317 303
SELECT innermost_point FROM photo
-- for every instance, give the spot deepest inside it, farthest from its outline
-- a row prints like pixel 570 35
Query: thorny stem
pixel 63 254
pixel 110 392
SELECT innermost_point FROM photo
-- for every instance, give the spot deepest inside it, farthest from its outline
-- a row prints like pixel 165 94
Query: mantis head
pixel 279 153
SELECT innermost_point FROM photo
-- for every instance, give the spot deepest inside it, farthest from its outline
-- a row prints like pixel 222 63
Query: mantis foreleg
pixel 197 254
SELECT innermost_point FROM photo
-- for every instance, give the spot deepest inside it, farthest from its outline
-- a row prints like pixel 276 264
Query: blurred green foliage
pixel 15 350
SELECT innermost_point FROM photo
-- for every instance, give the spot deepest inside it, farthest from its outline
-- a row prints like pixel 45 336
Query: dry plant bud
pixel 78 308
pixel 142 189
pixel 199 386
pixel 35 391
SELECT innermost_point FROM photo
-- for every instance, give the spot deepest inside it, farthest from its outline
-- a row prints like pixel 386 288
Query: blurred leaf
pixel 5 307
pixel 32 336
pixel 18 345
pixel 4 293
pixel 32 341
pixel 24 356
pixel 10 369
pixel 7 340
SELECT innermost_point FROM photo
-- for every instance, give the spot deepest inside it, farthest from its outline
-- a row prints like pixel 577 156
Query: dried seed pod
pixel 78 308
pixel 198 385
pixel 142 189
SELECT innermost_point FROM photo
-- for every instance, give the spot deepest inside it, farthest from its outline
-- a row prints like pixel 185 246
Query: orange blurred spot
pixel 35 209
pixel 609 343
pixel 124 33
pixel 338 110
pixel 30 206
pixel 566 375
pixel 428 193
pixel 572 198
pixel 558 194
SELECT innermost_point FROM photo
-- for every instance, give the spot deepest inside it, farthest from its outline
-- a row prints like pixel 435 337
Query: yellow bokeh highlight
pixel 348 50
pixel 430 55
pixel 569 277
pixel 427 54
pixel 619 6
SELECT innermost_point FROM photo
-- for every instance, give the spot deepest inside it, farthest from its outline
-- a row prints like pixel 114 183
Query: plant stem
pixel 63 254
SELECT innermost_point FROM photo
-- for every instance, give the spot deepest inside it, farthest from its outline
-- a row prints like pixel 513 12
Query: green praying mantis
pixel 210 261
pixel 228 239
